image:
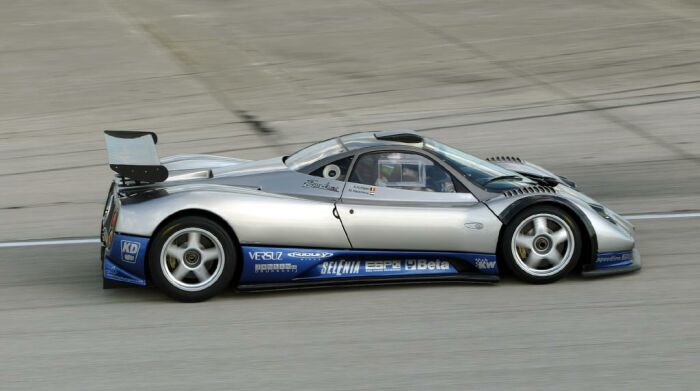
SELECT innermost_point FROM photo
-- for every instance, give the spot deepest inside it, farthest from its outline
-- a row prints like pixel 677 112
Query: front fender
pixel 506 211
pixel 602 235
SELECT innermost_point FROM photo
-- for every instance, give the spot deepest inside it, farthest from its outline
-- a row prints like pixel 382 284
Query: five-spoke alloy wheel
pixel 542 244
pixel 192 259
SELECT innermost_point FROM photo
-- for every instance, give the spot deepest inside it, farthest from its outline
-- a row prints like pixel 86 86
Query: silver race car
pixel 384 207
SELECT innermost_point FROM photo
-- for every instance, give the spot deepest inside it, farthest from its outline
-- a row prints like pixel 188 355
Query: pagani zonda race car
pixel 384 207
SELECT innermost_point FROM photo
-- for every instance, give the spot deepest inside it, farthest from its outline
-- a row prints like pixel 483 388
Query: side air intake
pixel 529 190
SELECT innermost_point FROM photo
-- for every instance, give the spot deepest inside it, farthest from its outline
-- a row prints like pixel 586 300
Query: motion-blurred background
pixel 605 92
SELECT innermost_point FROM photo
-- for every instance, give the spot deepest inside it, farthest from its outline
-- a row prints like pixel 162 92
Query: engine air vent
pixel 529 190
pixel 512 159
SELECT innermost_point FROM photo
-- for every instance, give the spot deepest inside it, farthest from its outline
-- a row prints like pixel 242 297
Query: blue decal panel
pixel 115 273
pixel 275 264
pixel 614 259
pixel 126 259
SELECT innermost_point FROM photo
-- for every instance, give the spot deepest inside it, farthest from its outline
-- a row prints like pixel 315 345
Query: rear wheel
pixel 542 244
pixel 192 259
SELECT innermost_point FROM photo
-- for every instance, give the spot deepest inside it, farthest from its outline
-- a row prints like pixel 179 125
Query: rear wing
pixel 133 155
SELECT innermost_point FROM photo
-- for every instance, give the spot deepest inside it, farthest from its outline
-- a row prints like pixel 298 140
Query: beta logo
pixel 265 255
pixel 424 264
pixel 130 251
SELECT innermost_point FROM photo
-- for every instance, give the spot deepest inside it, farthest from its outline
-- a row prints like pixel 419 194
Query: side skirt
pixel 111 284
pixel 370 281
pixel 613 270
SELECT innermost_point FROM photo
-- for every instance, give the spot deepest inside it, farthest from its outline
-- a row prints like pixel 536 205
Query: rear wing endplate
pixel 133 155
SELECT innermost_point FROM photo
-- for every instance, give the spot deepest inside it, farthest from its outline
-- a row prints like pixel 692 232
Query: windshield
pixel 314 153
pixel 476 170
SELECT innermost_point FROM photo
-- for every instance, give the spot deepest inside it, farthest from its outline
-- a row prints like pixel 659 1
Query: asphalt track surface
pixel 60 330
pixel 603 92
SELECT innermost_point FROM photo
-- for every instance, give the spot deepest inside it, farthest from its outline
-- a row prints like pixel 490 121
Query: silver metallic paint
pixel 255 216
pixel 610 237
pixel 194 161
pixel 266 203
pixel 429 228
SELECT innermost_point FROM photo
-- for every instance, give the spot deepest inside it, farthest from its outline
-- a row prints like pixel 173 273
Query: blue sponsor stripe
pixel 280 264
pixel 614 259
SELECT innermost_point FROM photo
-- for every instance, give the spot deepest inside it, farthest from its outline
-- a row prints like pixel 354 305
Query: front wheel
pixel 192 259
pixel 542 244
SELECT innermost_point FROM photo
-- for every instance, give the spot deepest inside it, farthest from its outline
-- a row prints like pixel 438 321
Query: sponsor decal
pixel 614 257
pixel 363 189
pixel 113 272
pixel 309 254
pixel 424 264
pixel 340 268
pixel 275 267
pixel 265 255
pixel 130 250
pixel 316 184
pixel 484 264
pixel 383 266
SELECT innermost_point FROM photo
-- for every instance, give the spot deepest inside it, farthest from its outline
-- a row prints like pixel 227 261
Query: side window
pixel 336 170
pixel 407 171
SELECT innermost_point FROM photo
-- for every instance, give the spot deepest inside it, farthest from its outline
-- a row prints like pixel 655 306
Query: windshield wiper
pixel 503 178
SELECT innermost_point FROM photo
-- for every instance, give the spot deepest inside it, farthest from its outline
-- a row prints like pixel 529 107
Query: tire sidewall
pixel 510 231
pixel 157 273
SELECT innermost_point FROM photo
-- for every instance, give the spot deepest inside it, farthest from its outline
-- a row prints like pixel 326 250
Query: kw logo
pixel 484 264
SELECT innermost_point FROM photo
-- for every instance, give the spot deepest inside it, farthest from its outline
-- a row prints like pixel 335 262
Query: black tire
pixel 542 245
pixel 221 277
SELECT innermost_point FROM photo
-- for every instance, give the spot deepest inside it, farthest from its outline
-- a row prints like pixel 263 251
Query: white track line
pixel 58 242
pixel 35 243
pixel 662 216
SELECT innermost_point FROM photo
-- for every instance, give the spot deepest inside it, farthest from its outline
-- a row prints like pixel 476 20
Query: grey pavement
pixel 59 330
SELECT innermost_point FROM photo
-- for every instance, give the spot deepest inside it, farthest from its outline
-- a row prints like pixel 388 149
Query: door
pixel 406 201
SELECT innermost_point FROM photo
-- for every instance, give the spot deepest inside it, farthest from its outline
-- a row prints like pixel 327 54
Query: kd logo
pixel 130 250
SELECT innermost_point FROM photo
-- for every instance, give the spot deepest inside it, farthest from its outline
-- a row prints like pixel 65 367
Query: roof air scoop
pixel 401 136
